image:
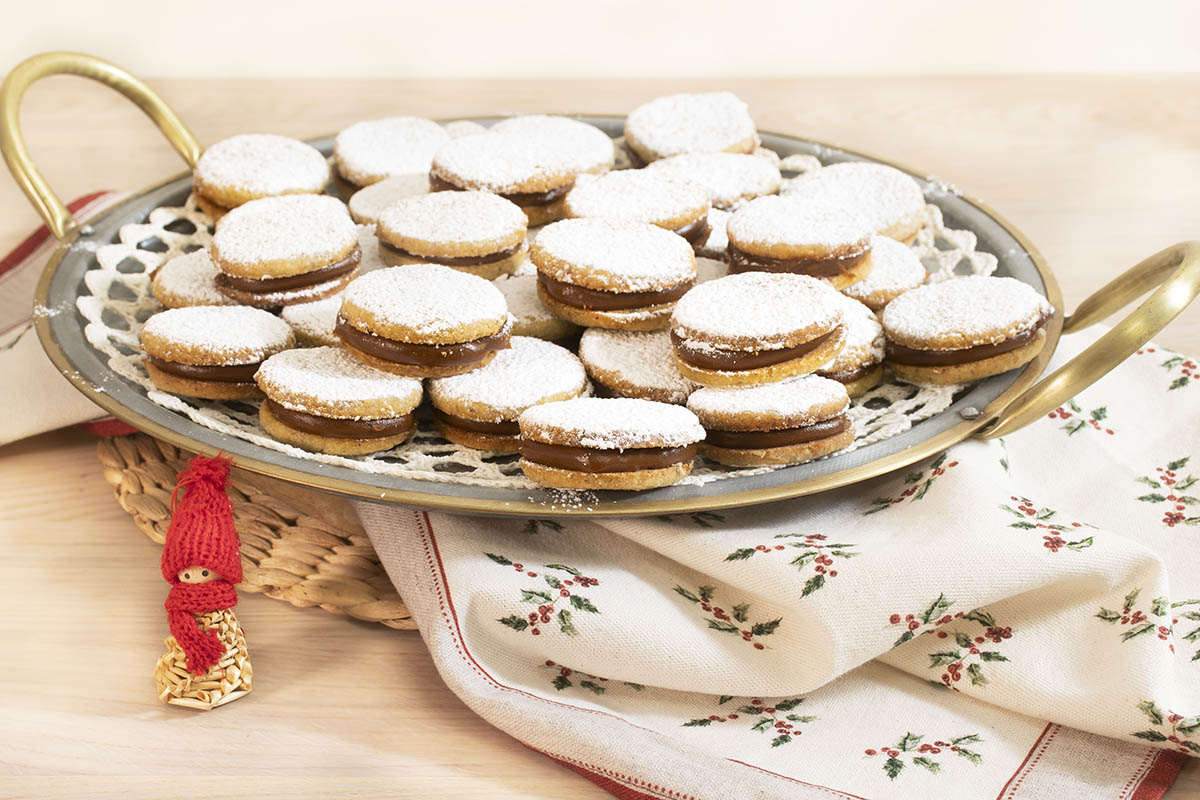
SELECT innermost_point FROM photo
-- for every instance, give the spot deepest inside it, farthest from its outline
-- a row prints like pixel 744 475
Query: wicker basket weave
pixel 297 545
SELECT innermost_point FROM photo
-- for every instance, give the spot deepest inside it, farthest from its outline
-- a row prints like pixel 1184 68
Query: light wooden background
pixel 1099 172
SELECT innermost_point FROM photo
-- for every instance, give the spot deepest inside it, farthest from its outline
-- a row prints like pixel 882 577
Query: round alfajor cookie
pixel 283 250
pixel 211 351
pixel 633 364
pixel 729 179
pixel 480 408
pixel 643 196
pixel 530 315
pixel 325 400
pixel 795 234
pixel 423 321
pixel 964 329
pixel 244 168
pixel 313 322
pixel 608 443
pixel 756 327
pixel 612 273
pixel 369 202
pixel 581 147
pixel 477 232
pixel 895 269
pixel 859 365
pixel 368 152
pixel 188 280
pixel 709 122
pixel 891 201
pixel 789 422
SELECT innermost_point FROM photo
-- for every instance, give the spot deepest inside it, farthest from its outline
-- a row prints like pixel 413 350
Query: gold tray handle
pixel 1176 273
pixel 60 221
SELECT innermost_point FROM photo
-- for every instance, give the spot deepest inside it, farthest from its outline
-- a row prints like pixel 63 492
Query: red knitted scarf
pixel 202 647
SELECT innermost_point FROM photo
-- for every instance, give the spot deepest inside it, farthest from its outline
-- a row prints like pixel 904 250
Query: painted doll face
pixel 197 574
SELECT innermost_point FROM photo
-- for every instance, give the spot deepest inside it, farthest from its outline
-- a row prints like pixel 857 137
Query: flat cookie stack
pixel 450 288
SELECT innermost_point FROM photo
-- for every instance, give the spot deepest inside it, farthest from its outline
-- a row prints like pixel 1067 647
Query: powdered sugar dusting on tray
pixel 582 147
pixel 190 277
pixel 331 379
pixel 613 255
pixel 641 358
pixel 636 194
pixel 611 424
pixel 797 221
pixel 216 335
pixel 263 164
pixel 690 123
pixel 307 228
pixel 894 267
pixel 316 320
pixel 761 308
pixel 727 178
pixel 880 194
pixel 527 373
pixel 369 151
pixel 792 397
pixel 454 217
pixel 428 298
pixel 963 313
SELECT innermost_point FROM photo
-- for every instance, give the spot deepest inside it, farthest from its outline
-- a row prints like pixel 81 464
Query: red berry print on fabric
pixel 1032 517
pixel 1075 420
pixel 1192 637
pixel 912 749
pixel 919 482
pixel 815 559
pixel 1136 622
pixel 970 650
pixel 565 678
pixel 923 621
pixel 1170 493
pixel 767 718
pixel 1182 370
pixel 552 601
pixel 1176 729
pixel 734 621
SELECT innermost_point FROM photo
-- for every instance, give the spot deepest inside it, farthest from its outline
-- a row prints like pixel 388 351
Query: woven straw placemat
pixel 298 545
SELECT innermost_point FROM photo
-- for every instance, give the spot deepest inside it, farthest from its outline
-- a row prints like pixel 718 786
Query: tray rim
pixel 959 432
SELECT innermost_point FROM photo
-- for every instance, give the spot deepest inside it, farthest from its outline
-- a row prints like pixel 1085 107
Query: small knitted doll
pixel 206 664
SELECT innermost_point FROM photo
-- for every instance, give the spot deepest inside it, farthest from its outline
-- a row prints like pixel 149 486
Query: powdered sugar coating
pixel 613 255
pixel 864 338
pixel 880 194
pixel 792 401
pixel 795 220
pixel 716 246
pixel 611 423
pixel 215 335
pixel 479 223
pixel 690 123
pixel 262 165
pixel 530 372
pixel 639 195
pixel 895 268
pixel 430 300
pixel 756 311
pixel 582 147
pixel 459 128
pixel 963 312
pixel 525 157
pixel 728 178
pixel 520 293
pixel 288 235
pixel 368 152
pixel 369 202
pixel 314 322
pixel 709 269
pixel 188 280
pixel 371 260
pixel 330 382
pixel 636 363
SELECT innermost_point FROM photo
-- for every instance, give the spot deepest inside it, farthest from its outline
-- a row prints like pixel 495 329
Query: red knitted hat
pixel 201 531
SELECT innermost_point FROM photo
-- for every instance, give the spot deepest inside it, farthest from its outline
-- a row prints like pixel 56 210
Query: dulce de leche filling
pixel 763 440
pixel 581 297
pixel 437 184
pixel 341 428
pixel 590 459
pixel 741 261
pixel 268 285
pixel 228 373
pixel 455 261
pixel 423 355
pixel 696 232
pixel 503 428
pixel 734 360
pixel 946 358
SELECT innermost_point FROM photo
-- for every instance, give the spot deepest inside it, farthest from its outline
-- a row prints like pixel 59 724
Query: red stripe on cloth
pixel 109 426
pixel 1028 756
pixel 607 784
pixel 1159 777
pixel 39 237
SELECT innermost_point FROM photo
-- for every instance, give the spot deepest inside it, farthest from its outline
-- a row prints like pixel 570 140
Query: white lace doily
pixel 119 302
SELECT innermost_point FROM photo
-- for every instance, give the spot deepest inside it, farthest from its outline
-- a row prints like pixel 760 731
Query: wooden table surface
pixel 1099 172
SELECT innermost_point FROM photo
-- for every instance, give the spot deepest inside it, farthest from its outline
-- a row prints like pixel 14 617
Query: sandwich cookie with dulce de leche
pixel 729 179
pixel 255 165
pixel 895 269
pixel 859 365
pixel 211 351
pixel 708 122
pixel 368 152
pixel 633 364
pixel 643 196
pixel 188 280
pixel 608 443
pixel 889 200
